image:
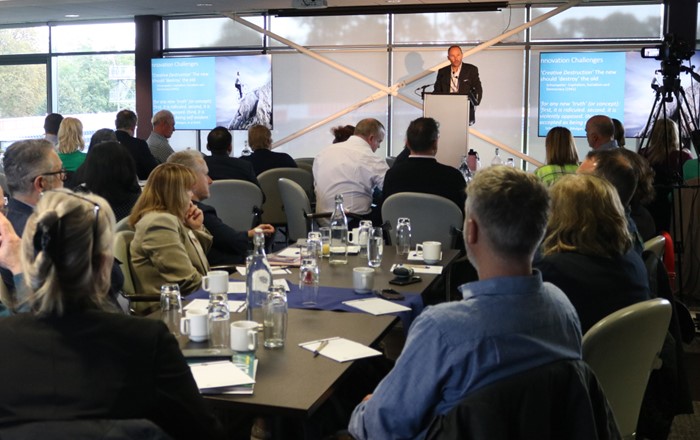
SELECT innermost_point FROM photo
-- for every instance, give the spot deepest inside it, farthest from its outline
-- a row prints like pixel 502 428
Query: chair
pixel 656 245
pixel 296 206
pixel 390 161
pixel 122 241
pixel 432 217
pixel 236 202
pixel 560 400
pixel 123 225
pixel 622 350
pixel 272 211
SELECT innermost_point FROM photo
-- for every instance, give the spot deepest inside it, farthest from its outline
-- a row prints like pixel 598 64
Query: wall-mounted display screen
pixel 204 92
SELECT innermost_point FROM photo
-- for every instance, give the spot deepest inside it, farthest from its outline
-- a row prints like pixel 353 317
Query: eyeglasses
pixel 61 175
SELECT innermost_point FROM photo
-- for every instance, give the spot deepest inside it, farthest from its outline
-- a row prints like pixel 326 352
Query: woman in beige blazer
pixel 170 242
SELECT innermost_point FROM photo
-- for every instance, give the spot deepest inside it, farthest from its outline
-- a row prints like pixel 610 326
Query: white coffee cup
pixel 432 251
pixel 195 325
pixel 354 236
pixel 244 335
pixel 363 279
pixel 216 281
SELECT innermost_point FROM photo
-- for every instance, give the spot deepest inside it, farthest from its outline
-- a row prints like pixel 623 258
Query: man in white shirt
pixel 352 169
pixel 163 128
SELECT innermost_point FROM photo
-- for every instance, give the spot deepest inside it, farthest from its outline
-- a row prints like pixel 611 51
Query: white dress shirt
pixel 349 168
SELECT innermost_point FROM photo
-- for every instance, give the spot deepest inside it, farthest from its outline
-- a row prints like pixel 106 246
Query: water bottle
pixel 403 236
pixel 275 318
pixel 339 233
pixel 473 161
pixel 510 162
pixel 497 158
pixel 246 149
pixel 258 279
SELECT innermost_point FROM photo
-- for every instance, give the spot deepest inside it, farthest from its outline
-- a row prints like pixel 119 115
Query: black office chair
pixel 557 401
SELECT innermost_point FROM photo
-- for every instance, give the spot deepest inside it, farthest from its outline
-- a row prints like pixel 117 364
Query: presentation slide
pixel 576 86
pixel 205 92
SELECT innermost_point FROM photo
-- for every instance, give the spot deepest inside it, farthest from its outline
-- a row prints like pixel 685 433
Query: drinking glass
pixel 171 307
pixel 308 276
pixel 375 247
pixel 325 241
pixel 363 235
pixel 315 243
pixel 275 318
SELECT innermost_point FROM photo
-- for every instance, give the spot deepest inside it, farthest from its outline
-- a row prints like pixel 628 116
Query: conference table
pixel 290 381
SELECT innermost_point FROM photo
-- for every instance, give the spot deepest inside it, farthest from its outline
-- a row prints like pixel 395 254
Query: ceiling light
pixel 72 15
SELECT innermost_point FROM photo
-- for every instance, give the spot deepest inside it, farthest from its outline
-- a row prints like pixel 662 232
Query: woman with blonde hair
pixel 587 249
pixel 170 240
pixel 84 361
pixel 71 144
pixel 562 157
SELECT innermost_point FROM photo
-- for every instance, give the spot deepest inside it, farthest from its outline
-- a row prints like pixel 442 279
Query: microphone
pixel 422 90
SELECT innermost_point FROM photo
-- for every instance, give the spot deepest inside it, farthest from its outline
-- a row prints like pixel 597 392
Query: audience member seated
pixel 458 347
pixel 221 164
pixel 619 132
pixel 102 135
pixel 263 158
pixel 562 157
pixel 52 122
pixel 71 144
pixel 613 166
pixel 587 251
pixel 109 171
pixel 352 169
pixel 342 133
pixel 229 246
pixel 138 148
pixel 421 172
pixel 666 159
pixel 73 357
pixel 10 264
pixel 170 242
pixel 163 128
pixel 643 195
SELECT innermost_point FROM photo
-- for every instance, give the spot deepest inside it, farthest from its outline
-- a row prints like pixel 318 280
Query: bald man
pixel 600 133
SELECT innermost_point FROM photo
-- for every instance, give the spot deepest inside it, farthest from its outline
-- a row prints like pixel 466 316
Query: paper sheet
pixel 376 306
pixel 218 374
pixel 420 268
pixel 417 256
pixel 341 349
pixel 239 286
pixel 275 270
pixel 203 304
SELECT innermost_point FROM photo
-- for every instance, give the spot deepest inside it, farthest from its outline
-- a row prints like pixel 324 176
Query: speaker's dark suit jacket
pixel 426 175
pixel 138 148
pixel 99 365
pixel 468 81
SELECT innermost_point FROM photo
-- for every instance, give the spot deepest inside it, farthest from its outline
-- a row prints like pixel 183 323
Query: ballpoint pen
pixel 320 347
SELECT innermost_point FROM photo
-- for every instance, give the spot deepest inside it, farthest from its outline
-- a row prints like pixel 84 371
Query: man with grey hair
pixel 163 128
pixel 352 169
pixel 31 167
pixel 455 348
pixel 600 133
pixel 229 246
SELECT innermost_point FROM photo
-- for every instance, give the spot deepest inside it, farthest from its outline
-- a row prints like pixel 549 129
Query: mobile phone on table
pixel 390 294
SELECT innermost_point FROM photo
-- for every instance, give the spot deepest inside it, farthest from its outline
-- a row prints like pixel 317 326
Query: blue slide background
pixel 576 86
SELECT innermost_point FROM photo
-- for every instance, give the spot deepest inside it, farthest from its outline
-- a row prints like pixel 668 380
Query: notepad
pixel 210 376
pixel 203 304
pixel 340 349
pixel 376 306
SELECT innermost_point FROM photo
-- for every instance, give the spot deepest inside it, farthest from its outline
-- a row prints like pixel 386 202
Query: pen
pixel 320 347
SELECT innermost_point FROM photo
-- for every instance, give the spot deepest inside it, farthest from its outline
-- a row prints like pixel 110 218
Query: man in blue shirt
pixel 508 322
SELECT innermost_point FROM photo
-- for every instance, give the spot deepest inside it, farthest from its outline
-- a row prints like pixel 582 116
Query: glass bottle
pixel 258 278
pixel 473 161
pixel 403 236
pixel 510 162
pixel 339 233
pixel 497 160
pixel 246 149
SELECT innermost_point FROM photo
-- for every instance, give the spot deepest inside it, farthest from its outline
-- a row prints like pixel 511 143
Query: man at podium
pixel 459 78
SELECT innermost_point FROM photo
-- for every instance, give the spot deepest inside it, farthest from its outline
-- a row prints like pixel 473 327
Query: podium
pixel 452 112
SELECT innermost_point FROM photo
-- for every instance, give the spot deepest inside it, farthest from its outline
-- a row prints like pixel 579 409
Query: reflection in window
pixel 355 30
pixel 599 22
pixel 25 40
pixel 211 32
pixel 101 37
pixel 463 27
